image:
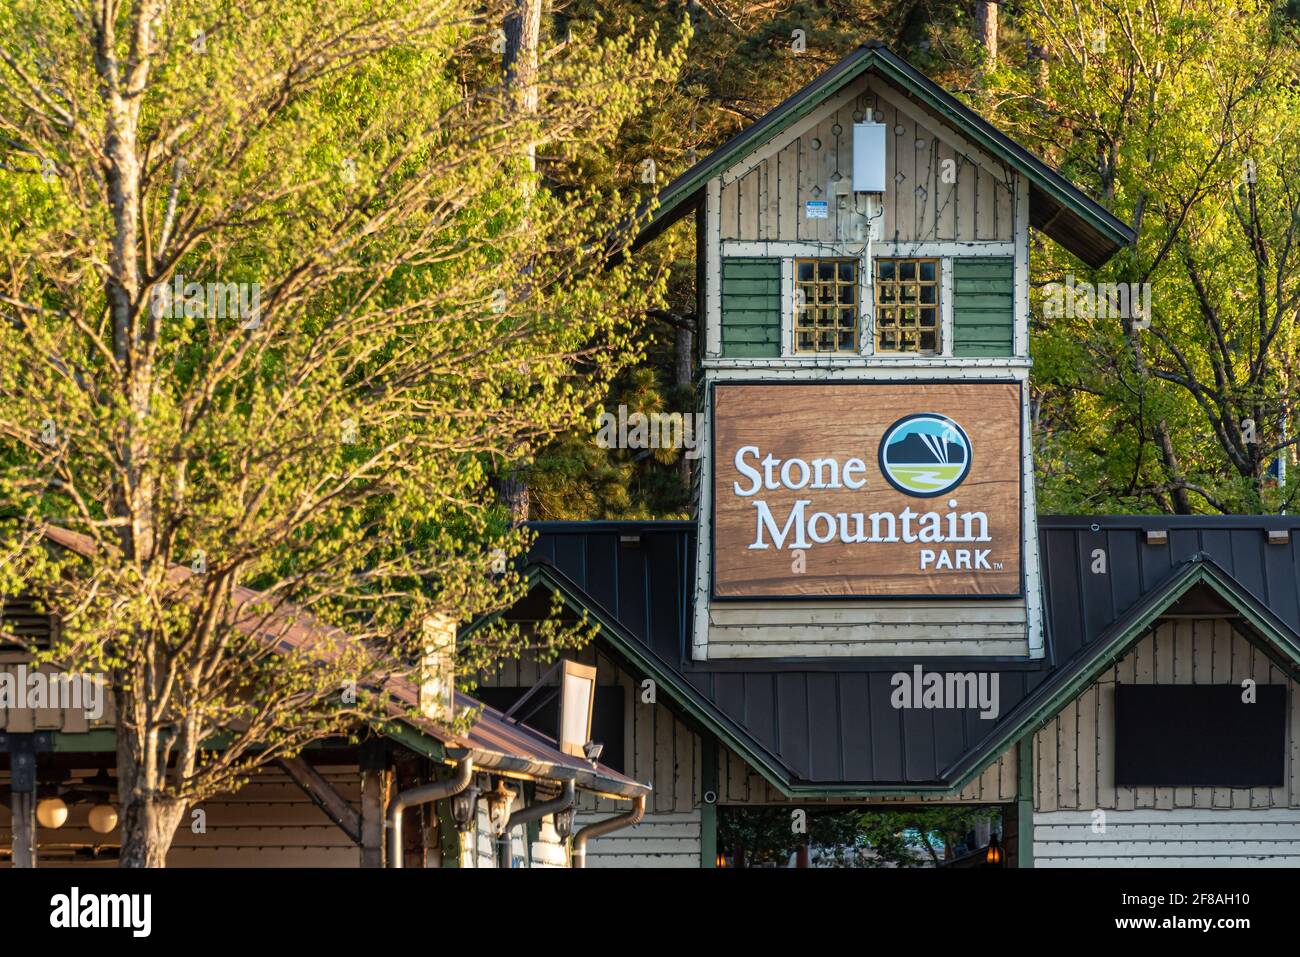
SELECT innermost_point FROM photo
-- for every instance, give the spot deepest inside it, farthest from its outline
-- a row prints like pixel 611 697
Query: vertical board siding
pixel 751 308
pixel 1168 837
pixel 983 307
pixel 658 748
pixel 926 200
pixel 740 784
pixel 1076 749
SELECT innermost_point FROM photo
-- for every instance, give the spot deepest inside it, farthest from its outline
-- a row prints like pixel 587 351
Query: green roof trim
pixel 1042 705
pixel 1094 235
pixel 1048 700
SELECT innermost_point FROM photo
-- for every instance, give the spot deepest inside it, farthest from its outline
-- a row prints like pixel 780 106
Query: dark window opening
pixel 1200 735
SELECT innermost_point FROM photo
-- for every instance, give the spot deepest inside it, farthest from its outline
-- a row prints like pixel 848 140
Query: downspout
pixel 535 812
pixel 601 828
pixel 423 794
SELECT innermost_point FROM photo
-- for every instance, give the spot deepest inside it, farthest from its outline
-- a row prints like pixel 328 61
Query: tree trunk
pixel 986 24
pixel 148 829
pixel 523 30
pixel 148 818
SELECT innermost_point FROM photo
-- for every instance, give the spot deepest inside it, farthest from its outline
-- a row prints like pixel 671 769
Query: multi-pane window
pixel 826 305
pixel 907 305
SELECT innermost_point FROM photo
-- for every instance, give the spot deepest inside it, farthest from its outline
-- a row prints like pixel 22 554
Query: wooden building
pixel 409 791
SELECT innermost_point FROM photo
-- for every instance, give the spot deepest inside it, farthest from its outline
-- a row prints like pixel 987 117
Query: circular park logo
pixel 925 455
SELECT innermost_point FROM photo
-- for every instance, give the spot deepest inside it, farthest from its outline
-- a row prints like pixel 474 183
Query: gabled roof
pixel 826 727
pixel 1056 207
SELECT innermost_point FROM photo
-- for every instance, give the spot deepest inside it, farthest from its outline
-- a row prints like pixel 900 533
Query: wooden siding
pixel 660 840
pixel 1074 759
pixel 764 197
pixel 658 749
pixel 983 307
pixel 888 628
pixel 751 308
pixel 1170 837
pixel 740 784
pixel 270 822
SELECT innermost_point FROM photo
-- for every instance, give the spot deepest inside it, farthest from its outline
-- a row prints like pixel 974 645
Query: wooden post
pixel 1025 801
pixel 22 798
pixel 376 790
pixel 708 808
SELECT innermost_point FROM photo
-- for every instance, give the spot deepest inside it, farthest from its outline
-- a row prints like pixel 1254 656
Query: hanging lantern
pixel 464 807
pixel 564 822
pixel 499 802
pixel 103 818
pixel 52 812
pixel 993 855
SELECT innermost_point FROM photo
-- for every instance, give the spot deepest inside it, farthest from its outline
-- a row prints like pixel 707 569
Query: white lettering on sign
pixel 802 528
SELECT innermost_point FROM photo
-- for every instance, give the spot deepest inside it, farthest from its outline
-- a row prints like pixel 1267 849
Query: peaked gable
pixel 1056 207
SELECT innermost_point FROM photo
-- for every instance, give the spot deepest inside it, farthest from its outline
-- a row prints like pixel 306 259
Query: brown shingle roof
pixel 493 741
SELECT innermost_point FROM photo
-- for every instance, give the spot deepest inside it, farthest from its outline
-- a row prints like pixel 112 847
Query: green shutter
pixel 983 307
pixel 751 308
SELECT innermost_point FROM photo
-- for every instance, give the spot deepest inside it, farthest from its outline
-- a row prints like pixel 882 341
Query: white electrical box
pixel 868 157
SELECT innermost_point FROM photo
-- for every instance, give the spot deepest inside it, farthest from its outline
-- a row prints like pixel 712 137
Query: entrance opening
pixel 867 836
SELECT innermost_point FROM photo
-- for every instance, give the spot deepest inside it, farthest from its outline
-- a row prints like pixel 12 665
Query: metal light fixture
pixel 593 749
pixel 103 818
pixel 577 699
pixel 52 812
pixel 564 822
pixel 993 855
pixel 499 802
pixel 464 808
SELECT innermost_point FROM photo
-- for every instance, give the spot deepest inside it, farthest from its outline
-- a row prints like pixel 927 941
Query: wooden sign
pixel 867 490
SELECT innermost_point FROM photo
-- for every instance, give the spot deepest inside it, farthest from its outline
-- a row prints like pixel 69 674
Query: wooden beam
pixel 376 790
pixel 22 798
pixel 335 806
pixel 23 806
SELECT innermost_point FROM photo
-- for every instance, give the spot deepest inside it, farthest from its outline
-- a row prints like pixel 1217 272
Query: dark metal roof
pixel 827 724
pixel 1056 207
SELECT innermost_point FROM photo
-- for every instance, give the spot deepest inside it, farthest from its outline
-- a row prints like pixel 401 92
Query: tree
pixel 254 327
pixel 847 836
pixel 1181 121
